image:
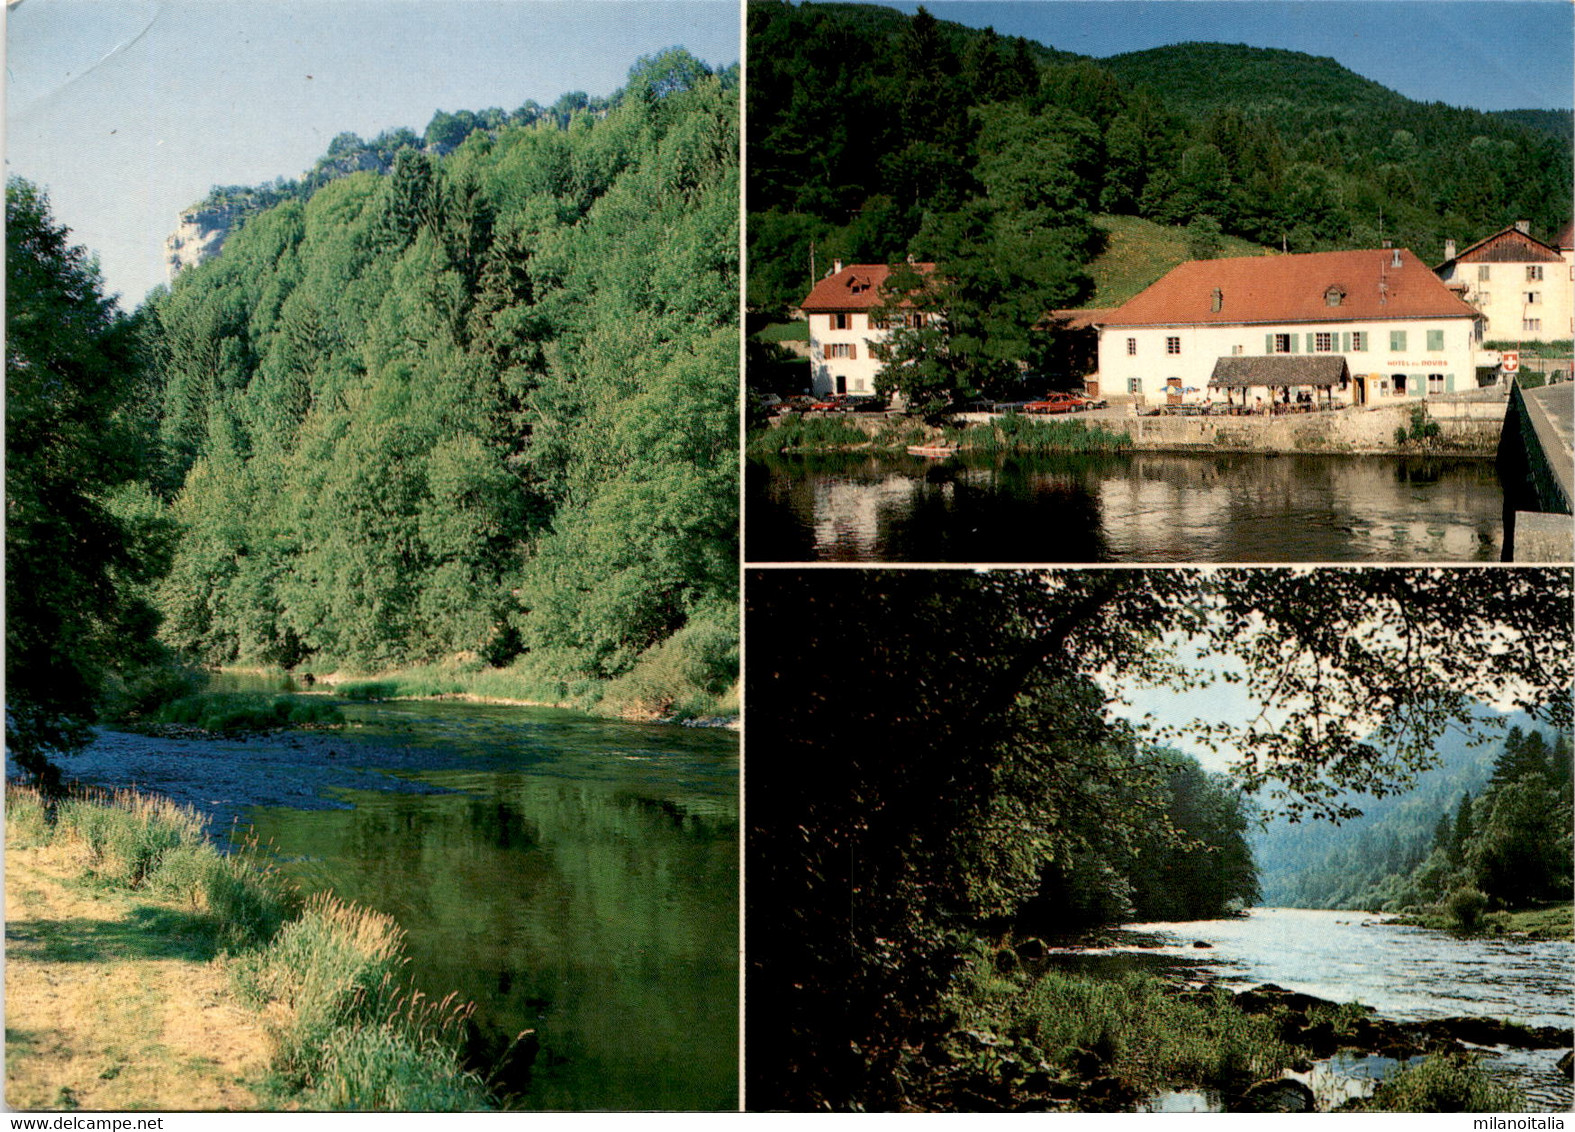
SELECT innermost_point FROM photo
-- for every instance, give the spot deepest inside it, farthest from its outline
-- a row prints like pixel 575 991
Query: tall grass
pixel 1014 432
pixel 346 1032
pixel 144 842
pixel 805 432
pixel 124 836
pixel 29 816
pixel 1442 1083
pixel 1138 1030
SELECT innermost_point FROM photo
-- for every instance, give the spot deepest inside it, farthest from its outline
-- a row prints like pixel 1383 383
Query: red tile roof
pixel 857 287
pixel 1508 245
pixel 1293 288
pixel 1084 319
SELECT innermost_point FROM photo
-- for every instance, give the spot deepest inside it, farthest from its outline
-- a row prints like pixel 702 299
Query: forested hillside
pixel 481 410
pixel 482 404
pixel 874 136
pixel 1490 819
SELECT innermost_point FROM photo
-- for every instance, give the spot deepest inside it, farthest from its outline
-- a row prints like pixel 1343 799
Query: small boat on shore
pixel 932 451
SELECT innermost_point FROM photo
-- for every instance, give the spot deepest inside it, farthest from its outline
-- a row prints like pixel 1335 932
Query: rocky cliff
pixel 199 236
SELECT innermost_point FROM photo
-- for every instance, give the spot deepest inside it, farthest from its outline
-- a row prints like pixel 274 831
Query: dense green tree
pixel 484 403
pixel 77 559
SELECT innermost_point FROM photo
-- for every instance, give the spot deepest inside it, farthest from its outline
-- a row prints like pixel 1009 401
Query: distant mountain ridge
pixel 1303 93
pixel 864 127
pixel 1317 865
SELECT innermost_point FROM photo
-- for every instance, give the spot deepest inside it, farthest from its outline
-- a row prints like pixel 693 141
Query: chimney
pixel 1523 226
pixel 1387 244
pixel 1217 300
pixel 836 267
pixel 1396 261
pixel 1449 249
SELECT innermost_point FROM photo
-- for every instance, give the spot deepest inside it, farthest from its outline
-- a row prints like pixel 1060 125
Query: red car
pixel 1058 403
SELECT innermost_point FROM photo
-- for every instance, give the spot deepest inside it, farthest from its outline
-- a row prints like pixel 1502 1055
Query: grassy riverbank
pixel 1544 921
pixel 1009 433
pixel 1048 1040
pixel 146 971
pixel 692 675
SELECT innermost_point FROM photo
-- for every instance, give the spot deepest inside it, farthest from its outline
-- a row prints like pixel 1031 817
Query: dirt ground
pixel 113 1002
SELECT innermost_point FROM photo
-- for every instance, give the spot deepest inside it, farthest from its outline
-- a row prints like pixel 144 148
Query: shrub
pixel 691 674
pixel 1144 1034
pixel 142 692
pixel 236 712
pixel 366 691
pixel 1466 906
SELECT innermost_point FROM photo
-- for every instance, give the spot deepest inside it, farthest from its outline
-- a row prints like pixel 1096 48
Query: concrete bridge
pixel 1536 465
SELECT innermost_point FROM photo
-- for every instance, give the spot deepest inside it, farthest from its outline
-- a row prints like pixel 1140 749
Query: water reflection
pixel 1104 508
pixel 572 877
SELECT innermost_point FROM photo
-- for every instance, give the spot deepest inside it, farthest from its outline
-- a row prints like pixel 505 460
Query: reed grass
pixel 1441 1083
pixel 1140 1032
pixel 805 433
pixel 347 1032
pixel 123 836
pixel 1013 432
pixel 29 817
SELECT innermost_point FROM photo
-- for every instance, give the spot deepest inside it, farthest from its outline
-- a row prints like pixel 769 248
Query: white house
pixel 1524 287
pixel 843 327
pixel 1400 330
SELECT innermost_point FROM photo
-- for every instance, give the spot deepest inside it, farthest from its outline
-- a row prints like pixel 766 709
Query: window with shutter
pixel 1397 341
pixel 1435 340
pixel 853 353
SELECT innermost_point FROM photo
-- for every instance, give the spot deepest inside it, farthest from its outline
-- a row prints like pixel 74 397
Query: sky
pixel 129 111
pixel 1486 54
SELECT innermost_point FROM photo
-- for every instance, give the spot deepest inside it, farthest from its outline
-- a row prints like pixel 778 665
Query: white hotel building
pixel 1400 330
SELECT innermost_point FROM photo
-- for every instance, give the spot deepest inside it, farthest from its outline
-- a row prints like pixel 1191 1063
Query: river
pixel 1404 973
pixel 570 875
pixel 1148 507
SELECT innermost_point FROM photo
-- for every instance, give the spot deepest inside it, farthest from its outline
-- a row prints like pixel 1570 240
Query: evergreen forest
pixel 1487 829
pixel 875 136
pixel 473 402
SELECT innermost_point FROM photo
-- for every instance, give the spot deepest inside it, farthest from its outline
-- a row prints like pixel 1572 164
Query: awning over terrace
pixel 1277 370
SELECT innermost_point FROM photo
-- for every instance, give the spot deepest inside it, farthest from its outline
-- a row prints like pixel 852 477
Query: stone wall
pixel 1468 427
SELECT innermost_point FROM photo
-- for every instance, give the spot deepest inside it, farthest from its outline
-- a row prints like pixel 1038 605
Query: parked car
pixel 1059 403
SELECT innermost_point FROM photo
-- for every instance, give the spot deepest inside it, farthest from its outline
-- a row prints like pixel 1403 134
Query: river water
pixel 1149 507
pixel 570 875
pixel 1404 973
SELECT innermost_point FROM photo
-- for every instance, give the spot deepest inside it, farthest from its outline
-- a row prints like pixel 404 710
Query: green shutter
pixel 1449 383
pixel 1309 342
pixel 1435 340
pixel 1294 340
pixel 1397 341
pixel 1268 343
pixel 1345 342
